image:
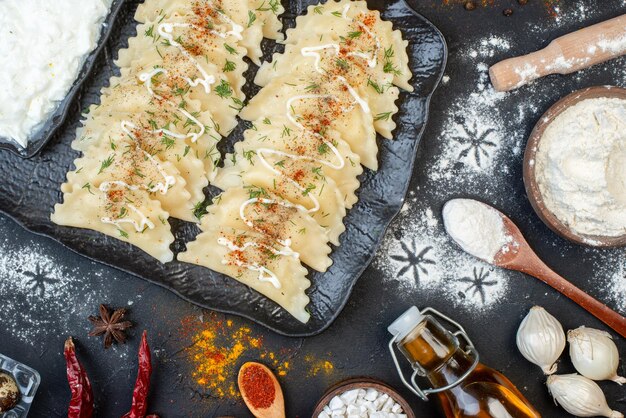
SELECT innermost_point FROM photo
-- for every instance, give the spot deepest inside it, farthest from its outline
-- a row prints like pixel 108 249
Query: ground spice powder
pixel 217 348
pixel 258 387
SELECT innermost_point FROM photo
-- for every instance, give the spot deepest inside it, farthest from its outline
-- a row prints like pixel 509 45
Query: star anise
pixel 111 325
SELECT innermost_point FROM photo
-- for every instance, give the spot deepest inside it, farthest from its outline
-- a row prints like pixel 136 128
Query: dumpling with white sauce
pixel 255 209
pixel 128 165
pixel 127 215
pixel 316 106
pixel 256 261
pixel 332 20
pixel 311 57
pixel 270 143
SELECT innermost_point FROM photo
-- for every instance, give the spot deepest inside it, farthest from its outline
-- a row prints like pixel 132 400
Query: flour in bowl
pixel 581 167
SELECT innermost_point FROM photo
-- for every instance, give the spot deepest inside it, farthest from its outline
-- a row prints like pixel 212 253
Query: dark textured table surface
pixel 473 146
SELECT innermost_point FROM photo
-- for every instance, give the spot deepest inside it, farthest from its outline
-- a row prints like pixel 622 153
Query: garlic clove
pixel 541 339
pixel 580 396
pixel 594 354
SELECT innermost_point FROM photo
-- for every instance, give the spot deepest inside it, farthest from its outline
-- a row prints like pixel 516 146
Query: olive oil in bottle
pixel 465 387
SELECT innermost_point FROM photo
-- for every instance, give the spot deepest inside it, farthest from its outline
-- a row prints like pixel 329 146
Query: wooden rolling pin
pixel 564 55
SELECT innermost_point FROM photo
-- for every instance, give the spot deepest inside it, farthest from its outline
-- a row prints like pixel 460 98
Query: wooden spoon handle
pixel 598 309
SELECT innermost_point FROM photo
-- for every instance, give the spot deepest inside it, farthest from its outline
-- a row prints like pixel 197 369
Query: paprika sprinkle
pixel 257 387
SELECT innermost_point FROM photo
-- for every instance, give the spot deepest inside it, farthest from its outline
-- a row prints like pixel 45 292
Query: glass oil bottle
pixel 465 387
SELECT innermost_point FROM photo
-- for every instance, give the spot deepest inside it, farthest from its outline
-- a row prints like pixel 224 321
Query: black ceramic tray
pixel 30 188
pixel 50 127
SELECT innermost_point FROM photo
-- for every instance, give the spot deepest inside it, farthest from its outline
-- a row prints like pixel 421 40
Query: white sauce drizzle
pixel 166 30
pixel 144 221
pixel 265 274
pixel 313 51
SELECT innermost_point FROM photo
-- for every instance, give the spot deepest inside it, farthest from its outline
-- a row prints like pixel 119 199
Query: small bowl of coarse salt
pixel 575 167
pixel 362 397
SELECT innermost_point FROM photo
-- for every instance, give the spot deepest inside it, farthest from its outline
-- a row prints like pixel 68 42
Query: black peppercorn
pixel 470 5
pixel 507 12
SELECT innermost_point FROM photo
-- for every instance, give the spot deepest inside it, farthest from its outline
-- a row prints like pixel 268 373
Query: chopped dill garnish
pixel 106 163
pixel 230 49
pixel 312 86
pixel 382 116
pixel 256 192
pixel 200 209
pixel 308 189
pixel 229 66
pixel 249 155
pixel 375 86
pixel 323 148
pixel 342 63
pixel 251 17
pixel 150 31
pixel 88 187
pixel 223 89
pixel 238 104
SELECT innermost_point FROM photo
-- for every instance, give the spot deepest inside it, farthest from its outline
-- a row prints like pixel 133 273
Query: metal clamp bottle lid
pixel 407 322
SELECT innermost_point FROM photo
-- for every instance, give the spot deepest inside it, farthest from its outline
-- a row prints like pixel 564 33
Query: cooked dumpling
pixel 243 21
pixel 316 105
pixel 310 57
pixel 309 190
pixel 153 136
pixel 252 259
pixel 195 161
pixel 209 72
pixel 278 220
pixel 333 20
pixel 273 142
pixel 128 215
pixel 128 165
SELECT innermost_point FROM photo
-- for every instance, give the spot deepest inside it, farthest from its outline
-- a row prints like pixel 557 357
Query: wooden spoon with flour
pixel 488 234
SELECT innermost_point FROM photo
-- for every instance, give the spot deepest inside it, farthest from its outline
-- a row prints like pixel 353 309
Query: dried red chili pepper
pixel 81 404
pixel 142 385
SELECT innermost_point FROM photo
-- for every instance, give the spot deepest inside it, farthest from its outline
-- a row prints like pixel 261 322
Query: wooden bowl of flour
pixel 530 180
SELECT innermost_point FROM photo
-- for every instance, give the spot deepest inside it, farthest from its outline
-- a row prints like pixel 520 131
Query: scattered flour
pixel 473 134
pixel 478 148
pixel 419 255
pixel 615 46
pixel 39 294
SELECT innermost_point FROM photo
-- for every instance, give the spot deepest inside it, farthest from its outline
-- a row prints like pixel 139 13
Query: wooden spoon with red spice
pixel 261 391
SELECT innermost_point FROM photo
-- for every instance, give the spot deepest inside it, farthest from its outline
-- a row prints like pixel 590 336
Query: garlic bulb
pixel 594 354
pixel 540 339
pixel 580 396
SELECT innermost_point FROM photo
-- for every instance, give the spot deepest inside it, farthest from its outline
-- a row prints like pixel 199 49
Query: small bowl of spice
pixel 575 167
pixel 362 397
pixel 18 384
